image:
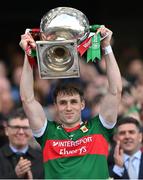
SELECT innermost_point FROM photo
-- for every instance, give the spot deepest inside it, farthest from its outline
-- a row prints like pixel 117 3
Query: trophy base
pixel 57 59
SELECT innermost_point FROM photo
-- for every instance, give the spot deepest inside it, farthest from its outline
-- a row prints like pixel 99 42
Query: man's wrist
pixel 107 50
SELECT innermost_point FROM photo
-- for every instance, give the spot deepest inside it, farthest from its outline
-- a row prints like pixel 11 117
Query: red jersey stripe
pixel 92 144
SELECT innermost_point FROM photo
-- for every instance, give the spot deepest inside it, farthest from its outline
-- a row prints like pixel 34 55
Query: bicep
pixel 109 107
pixel 35 114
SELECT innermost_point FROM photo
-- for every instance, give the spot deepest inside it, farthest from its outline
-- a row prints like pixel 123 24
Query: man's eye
pixel 74 102
pixel 122 133
pixel 62 102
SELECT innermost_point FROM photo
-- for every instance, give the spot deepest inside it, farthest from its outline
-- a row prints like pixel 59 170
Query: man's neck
pixel 73 128
pixel 17 149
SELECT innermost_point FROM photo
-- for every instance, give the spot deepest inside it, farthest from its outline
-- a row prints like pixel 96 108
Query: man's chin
pixel 20 144
pixel 128 150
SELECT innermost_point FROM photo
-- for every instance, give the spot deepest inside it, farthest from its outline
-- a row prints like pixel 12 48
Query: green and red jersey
pixel 80 154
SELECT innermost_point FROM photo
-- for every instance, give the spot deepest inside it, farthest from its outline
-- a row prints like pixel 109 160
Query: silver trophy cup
pixel 61 30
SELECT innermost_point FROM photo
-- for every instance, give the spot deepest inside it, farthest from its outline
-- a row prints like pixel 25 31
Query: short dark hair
pixel 17 113
pixel 68 87
pixel 129 120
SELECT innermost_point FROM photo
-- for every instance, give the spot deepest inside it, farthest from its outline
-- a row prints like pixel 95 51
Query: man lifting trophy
pixel 64 34
pixel 68 142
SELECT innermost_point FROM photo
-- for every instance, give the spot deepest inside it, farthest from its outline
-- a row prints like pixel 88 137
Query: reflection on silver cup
pixel 61 29
pixel 58 58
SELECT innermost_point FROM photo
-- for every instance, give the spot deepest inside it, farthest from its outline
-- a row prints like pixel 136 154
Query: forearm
pixel 113 74
pixel 31 106
pixel 110 104
pixel 26 83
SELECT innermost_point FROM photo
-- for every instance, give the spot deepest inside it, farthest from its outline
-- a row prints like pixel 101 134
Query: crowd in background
pixel 93 78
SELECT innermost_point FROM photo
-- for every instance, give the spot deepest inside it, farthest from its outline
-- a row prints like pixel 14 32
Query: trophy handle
pixel 35 33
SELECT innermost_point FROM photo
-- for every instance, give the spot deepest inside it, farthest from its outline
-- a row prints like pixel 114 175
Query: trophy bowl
pixel 62 29
pixel 65 23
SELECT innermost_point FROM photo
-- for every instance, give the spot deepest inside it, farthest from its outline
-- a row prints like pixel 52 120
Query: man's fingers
pixel 117 149
pixel 29 174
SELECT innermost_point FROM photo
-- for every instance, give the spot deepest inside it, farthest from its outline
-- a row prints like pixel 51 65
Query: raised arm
pixel 31 106
pixel 111 101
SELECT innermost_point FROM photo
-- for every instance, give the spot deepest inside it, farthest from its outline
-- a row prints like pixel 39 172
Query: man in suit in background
pixel 17 159
pixel 128 137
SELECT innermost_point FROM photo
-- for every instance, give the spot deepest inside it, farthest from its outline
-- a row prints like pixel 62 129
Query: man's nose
pixel 21 130
pixel 127 134
pixel 68 106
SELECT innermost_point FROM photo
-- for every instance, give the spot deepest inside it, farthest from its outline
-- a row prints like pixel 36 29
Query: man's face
pixel 69 109
pixel 130 138
pixel 18 132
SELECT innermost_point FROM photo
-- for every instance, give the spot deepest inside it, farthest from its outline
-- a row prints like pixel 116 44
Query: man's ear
pixel 82 104
pixel 115 138
pixel 6 131
pixel 55 105
pixel 141 137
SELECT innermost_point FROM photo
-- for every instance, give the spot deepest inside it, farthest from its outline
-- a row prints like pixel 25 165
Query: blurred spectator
pixel 134 70
pixel 15 80
pixel 4 84
pixel 43 88
pixel 128 105
pixel 7 103
pixel 88 72
pixel 137 92
pixel 3 137
pixel 6 100
pixel 95 104
pixel 128 137
pixel 18 159
pixel 101 66
pixel 3 69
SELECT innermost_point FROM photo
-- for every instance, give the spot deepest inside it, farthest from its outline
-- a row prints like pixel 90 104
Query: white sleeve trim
pixel 39 132
pixel 105 123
